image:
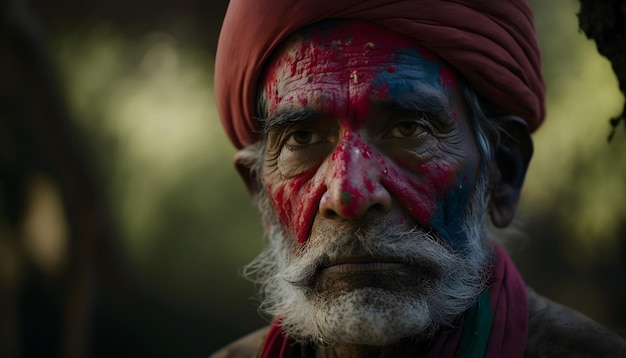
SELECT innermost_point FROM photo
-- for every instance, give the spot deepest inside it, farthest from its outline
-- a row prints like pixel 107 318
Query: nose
pixel 353 185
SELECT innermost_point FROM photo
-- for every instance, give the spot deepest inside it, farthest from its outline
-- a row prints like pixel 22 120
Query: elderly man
pixel 378 137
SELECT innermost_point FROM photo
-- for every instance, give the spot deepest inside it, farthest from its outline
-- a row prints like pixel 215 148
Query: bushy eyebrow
pixel 432 102
pixel 435 103
pixel 281 118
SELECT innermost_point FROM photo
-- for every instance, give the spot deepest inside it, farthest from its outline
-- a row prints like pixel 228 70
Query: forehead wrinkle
pixel 412 74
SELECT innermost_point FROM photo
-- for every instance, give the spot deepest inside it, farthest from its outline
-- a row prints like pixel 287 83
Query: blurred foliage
pixel 147 111
pixel 576 176
pixel 145 105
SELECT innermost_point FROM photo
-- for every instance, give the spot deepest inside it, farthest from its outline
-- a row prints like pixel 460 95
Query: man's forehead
pixel 340 34
pixel 491 43
pixel 340 49
pixel 320 62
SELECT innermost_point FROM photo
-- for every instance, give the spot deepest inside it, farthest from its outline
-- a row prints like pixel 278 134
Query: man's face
pixel 371 174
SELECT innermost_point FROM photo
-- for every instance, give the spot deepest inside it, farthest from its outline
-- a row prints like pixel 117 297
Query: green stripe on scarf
pixel 476 329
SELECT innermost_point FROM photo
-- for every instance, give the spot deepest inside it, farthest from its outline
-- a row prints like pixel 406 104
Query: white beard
pixel 372 315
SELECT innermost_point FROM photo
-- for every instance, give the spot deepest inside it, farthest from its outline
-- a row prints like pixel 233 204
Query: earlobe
pixel 246 162
pixel 512 156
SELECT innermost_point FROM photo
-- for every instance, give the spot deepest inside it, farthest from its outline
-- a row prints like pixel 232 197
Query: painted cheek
pixel 414 194
pixel 296 202
pixel 413 197
pixel 440 175
pixel 452 208
pixel 436 197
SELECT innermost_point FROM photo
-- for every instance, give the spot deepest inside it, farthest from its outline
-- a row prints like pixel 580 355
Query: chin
pixel 365 316
pixel 315 304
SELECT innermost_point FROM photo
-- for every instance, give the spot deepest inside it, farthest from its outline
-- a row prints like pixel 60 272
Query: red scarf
pixel 505 304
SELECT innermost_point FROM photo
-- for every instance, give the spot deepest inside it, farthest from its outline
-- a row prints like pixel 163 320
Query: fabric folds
pixel 491 43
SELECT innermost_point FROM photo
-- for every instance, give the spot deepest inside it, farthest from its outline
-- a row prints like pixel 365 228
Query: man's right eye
pixel 302 137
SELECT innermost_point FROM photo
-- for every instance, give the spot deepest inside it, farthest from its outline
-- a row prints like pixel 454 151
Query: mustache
pixel 413 247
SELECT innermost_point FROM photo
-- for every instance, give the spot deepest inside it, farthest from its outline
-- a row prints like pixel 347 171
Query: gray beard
pixel 414 304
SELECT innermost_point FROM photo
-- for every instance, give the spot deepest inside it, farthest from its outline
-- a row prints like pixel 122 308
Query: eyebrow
pixel 285 117
pixel 426 101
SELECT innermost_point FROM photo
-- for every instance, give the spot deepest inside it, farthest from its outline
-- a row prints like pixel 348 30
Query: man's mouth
pixel 346 273
pixel 360 264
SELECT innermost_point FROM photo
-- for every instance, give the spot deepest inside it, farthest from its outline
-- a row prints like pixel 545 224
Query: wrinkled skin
pixel 366 122
pixel 368 134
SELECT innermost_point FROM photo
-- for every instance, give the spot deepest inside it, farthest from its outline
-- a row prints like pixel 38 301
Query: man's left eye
pixel 299 138
pixel 406 129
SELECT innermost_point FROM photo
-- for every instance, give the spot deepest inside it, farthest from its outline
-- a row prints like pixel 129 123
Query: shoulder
pixel 247 346
pixel 558 331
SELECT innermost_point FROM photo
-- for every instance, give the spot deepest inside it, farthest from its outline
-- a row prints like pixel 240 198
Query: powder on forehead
pixel 347 51
pixel 336 70
pixel 339 35
pixel 491 43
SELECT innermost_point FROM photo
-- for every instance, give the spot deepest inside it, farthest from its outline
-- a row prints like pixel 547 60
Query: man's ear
pixel 246 161
pixel 512 156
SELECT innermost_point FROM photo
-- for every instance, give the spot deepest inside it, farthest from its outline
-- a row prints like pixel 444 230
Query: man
pixel 378 137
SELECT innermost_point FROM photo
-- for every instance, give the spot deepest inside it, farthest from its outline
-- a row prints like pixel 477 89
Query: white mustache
pixel 411 247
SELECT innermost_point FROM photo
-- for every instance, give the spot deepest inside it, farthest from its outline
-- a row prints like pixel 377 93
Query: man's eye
pixel 406 129
pixel 303 138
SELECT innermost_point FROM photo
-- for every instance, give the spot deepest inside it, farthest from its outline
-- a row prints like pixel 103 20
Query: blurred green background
pixel 136 79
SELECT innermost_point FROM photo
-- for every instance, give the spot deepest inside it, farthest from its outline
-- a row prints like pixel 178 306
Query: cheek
pixel 434 194
pixel 419 194
pixel 452 207
pixel 296 202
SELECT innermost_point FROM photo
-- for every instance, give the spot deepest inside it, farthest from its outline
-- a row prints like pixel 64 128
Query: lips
pixel 363 267
pixel 337 276
pixel 361 264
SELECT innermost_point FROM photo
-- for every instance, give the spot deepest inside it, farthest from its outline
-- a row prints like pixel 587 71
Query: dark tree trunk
pixel 605 22
pixel 49 316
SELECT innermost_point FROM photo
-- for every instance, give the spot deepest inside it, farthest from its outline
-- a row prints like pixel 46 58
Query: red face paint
pixel 419 193
pixel 340 72
pixel 447 77
pixel 350 170
pixel 345 58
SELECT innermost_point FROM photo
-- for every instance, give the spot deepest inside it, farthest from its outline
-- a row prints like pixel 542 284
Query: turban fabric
pixel 491 43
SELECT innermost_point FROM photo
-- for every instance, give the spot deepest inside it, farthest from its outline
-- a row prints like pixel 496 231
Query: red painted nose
pixel 353 184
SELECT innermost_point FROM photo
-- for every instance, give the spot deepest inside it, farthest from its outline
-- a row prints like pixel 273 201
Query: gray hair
pixel 487 123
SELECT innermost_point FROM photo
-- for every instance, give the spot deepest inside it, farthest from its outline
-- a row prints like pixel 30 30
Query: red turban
pixel 492 43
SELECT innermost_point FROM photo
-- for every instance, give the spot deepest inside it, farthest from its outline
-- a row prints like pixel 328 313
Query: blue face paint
pixel 415 82
pixel 349 80
pixel 410 73
pixel 450 217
